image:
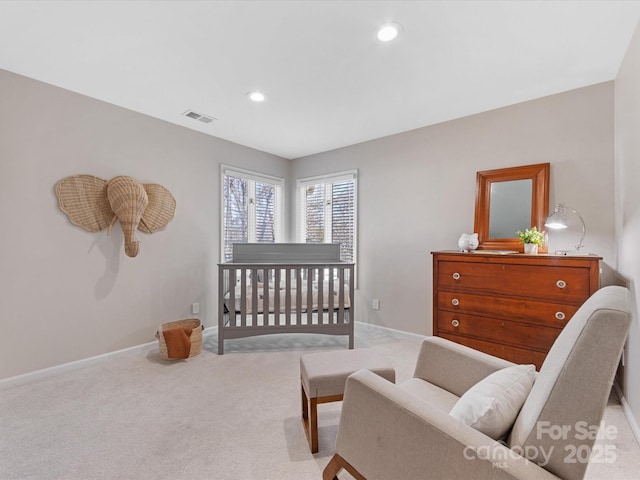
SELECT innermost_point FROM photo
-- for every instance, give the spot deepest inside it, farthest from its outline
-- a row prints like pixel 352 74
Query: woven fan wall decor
pixel 95 204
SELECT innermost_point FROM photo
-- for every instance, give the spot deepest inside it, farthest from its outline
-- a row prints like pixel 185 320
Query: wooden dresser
pixel 511 306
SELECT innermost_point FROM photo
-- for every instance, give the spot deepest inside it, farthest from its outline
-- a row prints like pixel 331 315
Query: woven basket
pixel 196 336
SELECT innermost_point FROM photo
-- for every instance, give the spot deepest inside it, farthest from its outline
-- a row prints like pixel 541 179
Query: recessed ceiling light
pixel 256 96
pixel 388 31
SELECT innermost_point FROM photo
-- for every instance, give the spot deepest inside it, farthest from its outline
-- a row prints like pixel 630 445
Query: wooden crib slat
pixel 265 296
pixel 287 296
pixel 298 296
pixel 352 292
pixel 276 297
pixel 221 293
pixel 331 296
pixel 341 296
pixel 309 296
pixel 254 296
pixel 352 318
pixel 320 296
pixel 243 297
pixel 232 296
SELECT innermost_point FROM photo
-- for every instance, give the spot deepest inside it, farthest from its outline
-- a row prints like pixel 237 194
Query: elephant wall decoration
pixel 95 204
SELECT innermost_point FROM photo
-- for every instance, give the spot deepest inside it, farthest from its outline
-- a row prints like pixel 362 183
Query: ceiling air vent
pixel 199 116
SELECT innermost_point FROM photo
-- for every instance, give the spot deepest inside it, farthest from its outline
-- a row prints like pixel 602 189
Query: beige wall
pixel 417 190
pixel 627 184
pixel 67 294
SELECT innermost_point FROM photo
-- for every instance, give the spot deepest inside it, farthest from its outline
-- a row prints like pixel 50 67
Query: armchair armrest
pixel 386 433
pixel 454 367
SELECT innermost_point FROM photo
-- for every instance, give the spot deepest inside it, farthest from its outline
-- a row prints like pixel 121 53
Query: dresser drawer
pixel 501 331
pixel 563 284
pixel 526 311
pixel 513 354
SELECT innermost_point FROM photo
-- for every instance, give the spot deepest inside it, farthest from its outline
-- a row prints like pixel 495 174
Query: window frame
pixel 279 203
pixel 302 183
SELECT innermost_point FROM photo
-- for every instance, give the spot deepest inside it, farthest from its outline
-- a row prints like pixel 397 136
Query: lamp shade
pixel 558 221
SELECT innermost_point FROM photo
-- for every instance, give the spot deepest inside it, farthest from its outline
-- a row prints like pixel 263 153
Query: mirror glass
pixel 508 200
pixel 509 207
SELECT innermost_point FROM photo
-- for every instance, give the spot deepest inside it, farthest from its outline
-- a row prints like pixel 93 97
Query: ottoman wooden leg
pixel 305 403
pixel 310 420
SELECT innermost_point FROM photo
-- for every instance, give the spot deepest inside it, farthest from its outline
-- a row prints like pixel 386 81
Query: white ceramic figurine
pixel 468 242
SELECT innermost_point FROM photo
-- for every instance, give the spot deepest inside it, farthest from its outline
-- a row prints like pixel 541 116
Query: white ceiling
pixel 329 81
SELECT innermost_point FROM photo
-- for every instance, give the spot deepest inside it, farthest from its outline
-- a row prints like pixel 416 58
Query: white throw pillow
pixel 492 405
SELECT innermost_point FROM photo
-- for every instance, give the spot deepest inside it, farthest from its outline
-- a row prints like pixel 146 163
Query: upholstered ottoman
pixel 323 376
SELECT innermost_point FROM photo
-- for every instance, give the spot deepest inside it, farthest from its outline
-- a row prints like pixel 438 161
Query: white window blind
pixel 327 211
pixel 251 209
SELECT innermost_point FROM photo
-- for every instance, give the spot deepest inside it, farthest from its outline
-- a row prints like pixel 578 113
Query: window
pixel 327 211
pixel 251 209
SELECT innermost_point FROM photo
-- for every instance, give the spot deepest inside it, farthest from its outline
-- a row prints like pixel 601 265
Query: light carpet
pixel 236 416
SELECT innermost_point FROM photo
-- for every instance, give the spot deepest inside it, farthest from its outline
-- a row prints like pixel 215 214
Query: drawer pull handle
pixel 455 302
pixel 561 284
pixel 455 323
pixel 560 315
pixel 456 276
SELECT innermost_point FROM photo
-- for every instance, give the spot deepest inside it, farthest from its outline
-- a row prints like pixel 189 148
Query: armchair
pixel 405 431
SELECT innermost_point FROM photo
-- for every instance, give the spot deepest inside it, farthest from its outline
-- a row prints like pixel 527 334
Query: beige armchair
pixel 405 431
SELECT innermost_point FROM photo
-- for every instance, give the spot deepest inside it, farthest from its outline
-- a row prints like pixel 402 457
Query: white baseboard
pixel 394 330
pixel 631 419
pixel 67 367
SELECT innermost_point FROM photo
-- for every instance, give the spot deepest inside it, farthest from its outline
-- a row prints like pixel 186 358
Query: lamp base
pixel 569 252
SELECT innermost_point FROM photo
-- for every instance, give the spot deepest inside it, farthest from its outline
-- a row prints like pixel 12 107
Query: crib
pixel 285 288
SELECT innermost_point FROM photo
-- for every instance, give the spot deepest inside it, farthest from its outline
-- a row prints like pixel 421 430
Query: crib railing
pixel 264 298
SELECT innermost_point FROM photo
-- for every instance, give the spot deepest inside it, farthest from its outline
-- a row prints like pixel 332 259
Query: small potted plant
pixel 532 239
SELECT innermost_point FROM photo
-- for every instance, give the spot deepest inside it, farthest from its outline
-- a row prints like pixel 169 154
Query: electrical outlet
pixel 195 308
pixel 376 304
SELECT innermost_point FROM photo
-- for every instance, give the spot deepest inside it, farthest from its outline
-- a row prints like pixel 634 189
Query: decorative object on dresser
pixel 558 221
pixel 508 200
pixel 468 242
pixel 531 238
pixel 512 306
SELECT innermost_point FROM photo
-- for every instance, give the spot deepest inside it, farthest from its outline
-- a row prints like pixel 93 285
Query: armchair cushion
pixel 492 405
pixel 436 396
pixel 454 367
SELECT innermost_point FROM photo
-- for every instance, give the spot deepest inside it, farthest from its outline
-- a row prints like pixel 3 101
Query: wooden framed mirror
pixel 508 200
